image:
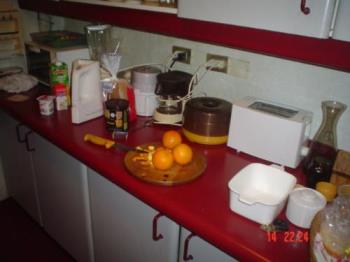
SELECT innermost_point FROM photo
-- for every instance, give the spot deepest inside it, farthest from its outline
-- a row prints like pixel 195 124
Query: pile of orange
pixel 172 151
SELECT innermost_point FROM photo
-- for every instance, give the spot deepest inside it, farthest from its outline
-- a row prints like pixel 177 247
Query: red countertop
pixel 202 206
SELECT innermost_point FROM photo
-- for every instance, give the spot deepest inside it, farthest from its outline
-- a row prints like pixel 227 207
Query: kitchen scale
pixel 172 89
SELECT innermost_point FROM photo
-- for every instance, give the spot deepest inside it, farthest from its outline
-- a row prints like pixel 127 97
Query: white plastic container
pixel 145 103
pixel 144 78
pixel 303 205
pixel 259 192
pixel 46 104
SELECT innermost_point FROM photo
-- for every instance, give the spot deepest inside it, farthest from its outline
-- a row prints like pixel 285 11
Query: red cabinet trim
pixel 322 52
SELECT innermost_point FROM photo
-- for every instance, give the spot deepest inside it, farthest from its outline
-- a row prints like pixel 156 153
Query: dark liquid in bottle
pixel 318 164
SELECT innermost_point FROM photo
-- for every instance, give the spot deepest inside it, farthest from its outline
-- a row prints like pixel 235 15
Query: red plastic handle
pixel 306 10
pixel 18 134
pixel 29 149
pixel 155 235
pixel 187 256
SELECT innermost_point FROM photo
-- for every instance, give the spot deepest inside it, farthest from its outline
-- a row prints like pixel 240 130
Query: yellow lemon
pixel 329 190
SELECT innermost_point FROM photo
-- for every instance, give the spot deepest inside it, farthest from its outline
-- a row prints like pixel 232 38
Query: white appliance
pixel 86 91
pixel 271 131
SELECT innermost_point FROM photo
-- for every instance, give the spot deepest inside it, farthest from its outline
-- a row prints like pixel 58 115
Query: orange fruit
pixel 171 139
pixel 329 190
pixel 162 159
pixel 182 154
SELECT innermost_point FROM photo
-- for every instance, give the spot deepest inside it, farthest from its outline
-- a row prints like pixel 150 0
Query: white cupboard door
pixel 123 226
pixel 342 21
pixel 63 196
pixel 195 249
pixel 17 165
pixel 288 16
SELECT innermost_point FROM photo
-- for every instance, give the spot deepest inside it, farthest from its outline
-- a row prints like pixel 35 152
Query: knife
pixel 110 143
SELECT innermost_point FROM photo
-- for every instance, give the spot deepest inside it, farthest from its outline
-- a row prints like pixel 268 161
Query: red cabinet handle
pixel 306 10
pixel 18 134
pixel 29 149
pixel 187 256
pixel 155 235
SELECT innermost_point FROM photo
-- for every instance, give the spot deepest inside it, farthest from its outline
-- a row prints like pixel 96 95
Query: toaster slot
pixel 273 109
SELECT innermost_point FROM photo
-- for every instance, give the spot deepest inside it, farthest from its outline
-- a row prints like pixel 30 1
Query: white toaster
pixel 268 130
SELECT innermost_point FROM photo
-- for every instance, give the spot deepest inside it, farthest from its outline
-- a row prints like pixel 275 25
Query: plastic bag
pixel 18 83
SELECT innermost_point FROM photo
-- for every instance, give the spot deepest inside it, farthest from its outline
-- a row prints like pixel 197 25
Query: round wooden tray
pixel 175 175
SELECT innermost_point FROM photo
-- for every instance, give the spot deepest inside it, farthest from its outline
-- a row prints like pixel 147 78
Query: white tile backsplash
pixel 284 81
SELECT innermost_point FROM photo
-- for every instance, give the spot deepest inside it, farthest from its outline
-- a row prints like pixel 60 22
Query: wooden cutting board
pixel 177 174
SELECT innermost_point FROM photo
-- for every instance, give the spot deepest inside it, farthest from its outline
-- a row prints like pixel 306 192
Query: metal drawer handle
pixel 155 235
pixel 18 134
pixel 187 256
pixel 306 10
pixel 29 149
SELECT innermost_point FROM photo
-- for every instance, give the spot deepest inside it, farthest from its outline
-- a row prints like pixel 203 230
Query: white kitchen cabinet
pixel 17 165
pixel 198 250
pixel 341 29
pixel 124 227
pixel 63 198
pixel 282 16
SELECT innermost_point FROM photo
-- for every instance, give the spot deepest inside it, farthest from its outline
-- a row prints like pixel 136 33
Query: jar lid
pixel 97 27
pixel 147 70
pixel 308 197
pixel 117 104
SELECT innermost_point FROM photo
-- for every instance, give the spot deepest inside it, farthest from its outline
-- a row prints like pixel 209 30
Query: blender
pixel 99 40
pixel 172 89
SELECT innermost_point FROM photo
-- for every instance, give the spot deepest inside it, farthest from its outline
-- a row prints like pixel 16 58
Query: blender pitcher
pixel 99 40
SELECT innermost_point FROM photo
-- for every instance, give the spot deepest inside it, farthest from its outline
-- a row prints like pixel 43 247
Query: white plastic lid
pixel 308 197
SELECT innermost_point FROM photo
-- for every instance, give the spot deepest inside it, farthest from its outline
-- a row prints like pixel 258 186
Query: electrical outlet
pixel 239 68
pixel 222 62
pixel 186 58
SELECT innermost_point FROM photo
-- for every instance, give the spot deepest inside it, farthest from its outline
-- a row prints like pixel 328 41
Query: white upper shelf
pixel 130 5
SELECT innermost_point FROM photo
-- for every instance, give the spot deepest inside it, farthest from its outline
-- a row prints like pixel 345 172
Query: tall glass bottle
pixel 319 162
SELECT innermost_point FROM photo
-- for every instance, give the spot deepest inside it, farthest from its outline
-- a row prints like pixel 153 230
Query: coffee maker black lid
pixel 173 83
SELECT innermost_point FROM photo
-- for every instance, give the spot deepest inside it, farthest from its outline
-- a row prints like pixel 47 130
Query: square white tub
pixel 259 192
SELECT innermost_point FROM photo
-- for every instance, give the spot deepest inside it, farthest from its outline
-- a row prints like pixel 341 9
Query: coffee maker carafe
pixel 172 88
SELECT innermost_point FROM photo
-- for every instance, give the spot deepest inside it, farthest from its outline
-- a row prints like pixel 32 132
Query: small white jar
pixel 303 205
pixel 46 104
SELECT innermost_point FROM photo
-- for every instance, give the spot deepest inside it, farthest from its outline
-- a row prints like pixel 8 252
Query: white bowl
pixel 259 192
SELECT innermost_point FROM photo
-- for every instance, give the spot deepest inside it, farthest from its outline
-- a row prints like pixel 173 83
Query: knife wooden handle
pixel 99 141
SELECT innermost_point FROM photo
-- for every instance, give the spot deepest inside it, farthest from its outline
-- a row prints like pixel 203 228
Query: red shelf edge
pixel 322 52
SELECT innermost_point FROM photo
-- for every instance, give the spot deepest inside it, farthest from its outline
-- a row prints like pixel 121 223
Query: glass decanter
pixel 319 162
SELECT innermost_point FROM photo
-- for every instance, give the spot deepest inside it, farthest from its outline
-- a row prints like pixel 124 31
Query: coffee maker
pixel 171 90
